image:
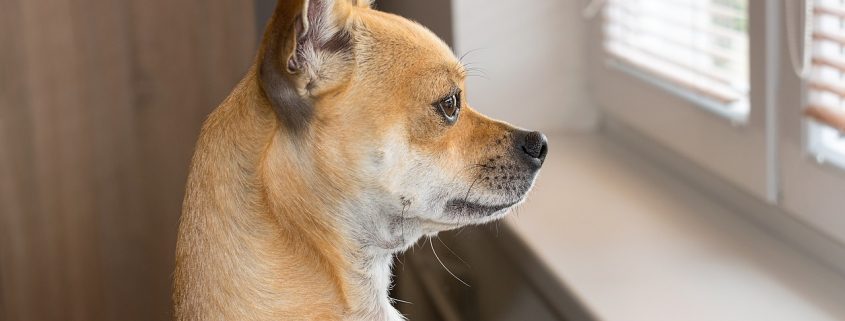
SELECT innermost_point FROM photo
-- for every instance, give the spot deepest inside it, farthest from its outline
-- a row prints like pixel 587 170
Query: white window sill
pixel 631 242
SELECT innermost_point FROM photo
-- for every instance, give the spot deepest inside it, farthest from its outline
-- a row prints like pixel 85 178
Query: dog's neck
pixel 346 229
pixel 253 235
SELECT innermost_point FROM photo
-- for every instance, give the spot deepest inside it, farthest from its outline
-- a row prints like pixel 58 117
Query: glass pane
pixel 827 80
pixel 699 46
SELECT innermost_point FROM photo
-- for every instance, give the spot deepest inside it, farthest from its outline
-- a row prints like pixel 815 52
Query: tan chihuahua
pixel 348 140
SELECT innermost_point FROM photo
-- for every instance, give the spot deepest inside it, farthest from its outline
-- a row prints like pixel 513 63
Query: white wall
pixel 532 54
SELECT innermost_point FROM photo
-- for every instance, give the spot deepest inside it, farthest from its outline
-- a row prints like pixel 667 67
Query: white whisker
pixel 444 266
pixel 453 252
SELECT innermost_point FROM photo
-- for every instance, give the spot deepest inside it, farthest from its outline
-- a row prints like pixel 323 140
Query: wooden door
pixel 100 105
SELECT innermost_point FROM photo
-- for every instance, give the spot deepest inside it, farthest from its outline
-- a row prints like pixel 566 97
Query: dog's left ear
pixel 306 50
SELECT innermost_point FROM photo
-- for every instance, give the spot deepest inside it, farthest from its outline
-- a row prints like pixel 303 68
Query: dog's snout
pixel 534 147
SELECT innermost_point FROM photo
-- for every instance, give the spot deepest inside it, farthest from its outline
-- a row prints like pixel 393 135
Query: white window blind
pixel 826 83
pixel 698 46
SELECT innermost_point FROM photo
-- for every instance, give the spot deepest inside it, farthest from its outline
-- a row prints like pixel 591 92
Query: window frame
pixel 808 187
pixel 768 156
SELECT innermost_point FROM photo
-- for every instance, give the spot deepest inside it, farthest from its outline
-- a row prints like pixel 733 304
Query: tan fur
pixel 271 228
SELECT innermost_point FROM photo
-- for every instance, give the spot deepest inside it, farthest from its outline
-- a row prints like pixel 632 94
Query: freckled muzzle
pixel 503 180
pixel 513 174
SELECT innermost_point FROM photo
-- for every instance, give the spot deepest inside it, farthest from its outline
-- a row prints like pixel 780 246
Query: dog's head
pixel 381 100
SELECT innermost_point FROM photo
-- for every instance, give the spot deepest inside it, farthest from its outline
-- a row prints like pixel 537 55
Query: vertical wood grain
pixel 100 105
pixel 17 197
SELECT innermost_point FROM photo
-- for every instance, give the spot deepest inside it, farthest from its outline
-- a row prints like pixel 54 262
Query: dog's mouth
pixel 466 208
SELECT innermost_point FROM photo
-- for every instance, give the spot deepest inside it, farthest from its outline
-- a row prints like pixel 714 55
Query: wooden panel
pixel 100 105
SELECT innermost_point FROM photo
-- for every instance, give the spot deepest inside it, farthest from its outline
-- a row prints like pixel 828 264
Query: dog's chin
pixel 461 208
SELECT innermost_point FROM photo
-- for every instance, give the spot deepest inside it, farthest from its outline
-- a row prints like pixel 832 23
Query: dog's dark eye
pixel 450 107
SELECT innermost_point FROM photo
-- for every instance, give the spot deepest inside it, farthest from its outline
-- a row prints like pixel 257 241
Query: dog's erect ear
pixel 306 42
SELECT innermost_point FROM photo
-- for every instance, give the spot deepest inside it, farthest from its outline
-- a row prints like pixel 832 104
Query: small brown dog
pixel 348 140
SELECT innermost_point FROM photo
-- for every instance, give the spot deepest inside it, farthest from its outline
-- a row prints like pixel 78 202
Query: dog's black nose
pixel 535 146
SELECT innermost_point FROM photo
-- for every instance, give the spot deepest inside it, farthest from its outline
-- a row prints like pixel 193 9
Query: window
pixel 777 65
pixel 679 72
pixel 700 47
pixel 826 81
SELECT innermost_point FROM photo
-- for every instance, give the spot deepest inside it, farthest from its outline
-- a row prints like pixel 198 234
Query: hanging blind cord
pixel 801 62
